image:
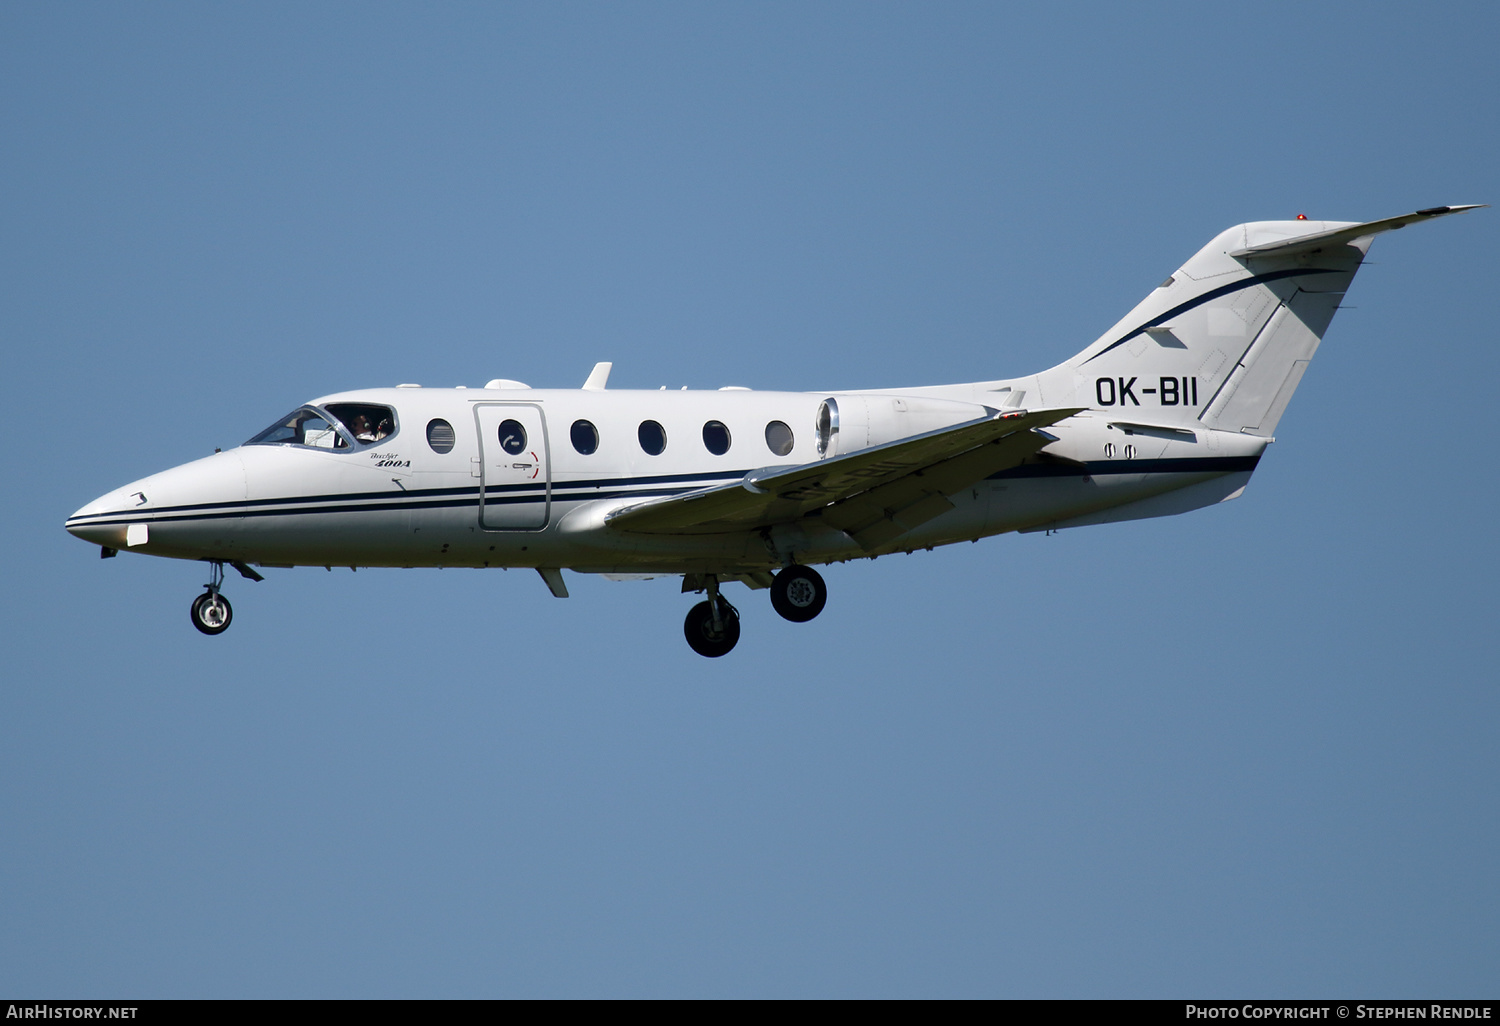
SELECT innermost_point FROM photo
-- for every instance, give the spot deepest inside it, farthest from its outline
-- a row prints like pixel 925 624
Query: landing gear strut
pixel 712 628
pixel 211 611
pixel 798 593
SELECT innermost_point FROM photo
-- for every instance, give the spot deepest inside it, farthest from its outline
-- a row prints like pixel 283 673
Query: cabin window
pixel 779 438
pixel 716 437
pixel 585 437
pixel 366 422
pixel 513 436
pixel 653 437
pixel 302 427
pixel 440 435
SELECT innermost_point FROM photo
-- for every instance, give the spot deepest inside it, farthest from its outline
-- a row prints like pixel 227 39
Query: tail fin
pixel 1224 341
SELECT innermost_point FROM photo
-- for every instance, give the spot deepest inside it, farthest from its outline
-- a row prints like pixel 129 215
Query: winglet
pixel 1341 236
pixel 598 377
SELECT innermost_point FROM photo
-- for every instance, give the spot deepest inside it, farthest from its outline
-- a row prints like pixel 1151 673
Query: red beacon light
pixel 1302 217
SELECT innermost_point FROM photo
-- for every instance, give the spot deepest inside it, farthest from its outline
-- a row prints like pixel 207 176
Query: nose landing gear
pixel 712 628
pixel 211 611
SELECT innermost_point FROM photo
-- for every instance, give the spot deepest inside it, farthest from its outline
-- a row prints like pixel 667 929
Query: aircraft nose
pixel 147 511
pixel 105 520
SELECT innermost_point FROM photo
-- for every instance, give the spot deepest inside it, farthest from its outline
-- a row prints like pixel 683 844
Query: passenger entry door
pixel 515 491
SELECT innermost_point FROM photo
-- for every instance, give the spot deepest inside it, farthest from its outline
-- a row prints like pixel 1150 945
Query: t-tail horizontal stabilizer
pixel 1343 236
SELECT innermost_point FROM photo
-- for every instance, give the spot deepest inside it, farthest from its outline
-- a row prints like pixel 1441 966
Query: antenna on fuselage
pixel 598 377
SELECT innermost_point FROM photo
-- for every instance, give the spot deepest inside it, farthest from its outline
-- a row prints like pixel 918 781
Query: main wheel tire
pixel 212 613
pixel 700 633
pixel 798 593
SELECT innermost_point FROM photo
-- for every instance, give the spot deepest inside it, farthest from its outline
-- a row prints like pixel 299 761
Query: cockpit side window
pixel 365 422
pixel 302 427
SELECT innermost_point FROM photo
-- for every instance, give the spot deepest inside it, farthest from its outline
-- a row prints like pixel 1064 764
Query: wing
pixel 874 494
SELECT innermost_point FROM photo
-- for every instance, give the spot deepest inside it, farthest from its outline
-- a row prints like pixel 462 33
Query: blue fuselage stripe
pixel 1207 297
pixel 1103 468
pixel 449 498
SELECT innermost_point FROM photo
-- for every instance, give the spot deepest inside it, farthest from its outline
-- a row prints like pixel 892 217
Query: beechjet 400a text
pixel 1169 411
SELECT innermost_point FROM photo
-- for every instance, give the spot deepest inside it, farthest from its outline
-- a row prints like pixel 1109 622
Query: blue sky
pixel 1248 751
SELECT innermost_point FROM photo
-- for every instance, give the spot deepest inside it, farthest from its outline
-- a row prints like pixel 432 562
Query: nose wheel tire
pixel 211 613
pixel 798 593
pixel 706 639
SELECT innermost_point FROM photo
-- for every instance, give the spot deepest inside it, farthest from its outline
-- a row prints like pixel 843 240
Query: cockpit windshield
pixel 345 425
pixel 302 427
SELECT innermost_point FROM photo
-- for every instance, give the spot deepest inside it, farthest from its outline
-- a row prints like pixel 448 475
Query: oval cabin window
pixel 716 437
pixel 585 437
pixel 512 437
pixel 653 437
pixel 440 435
pixel 779 438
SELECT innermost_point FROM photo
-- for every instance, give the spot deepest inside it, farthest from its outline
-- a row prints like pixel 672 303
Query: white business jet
pixel 1169 411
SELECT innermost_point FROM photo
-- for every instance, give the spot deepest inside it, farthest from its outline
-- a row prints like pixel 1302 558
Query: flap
pixel 775 495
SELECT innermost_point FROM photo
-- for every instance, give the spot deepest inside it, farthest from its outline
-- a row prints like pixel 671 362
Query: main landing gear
pixel 798 593
pixel 211 611
pixel 713 627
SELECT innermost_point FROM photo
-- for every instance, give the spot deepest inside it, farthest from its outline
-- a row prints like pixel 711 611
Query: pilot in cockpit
pixel 363 432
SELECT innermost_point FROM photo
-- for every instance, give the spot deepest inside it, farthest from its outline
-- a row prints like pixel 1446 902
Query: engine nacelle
pixel 849 422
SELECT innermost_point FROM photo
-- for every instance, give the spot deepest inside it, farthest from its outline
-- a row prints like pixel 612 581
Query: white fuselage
pixel 401 502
